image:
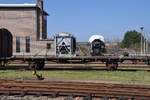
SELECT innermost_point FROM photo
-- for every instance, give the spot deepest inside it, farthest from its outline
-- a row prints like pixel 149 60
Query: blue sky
pixel 83 18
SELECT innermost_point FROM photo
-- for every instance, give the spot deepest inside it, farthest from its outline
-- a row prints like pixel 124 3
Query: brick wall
pixel 22 22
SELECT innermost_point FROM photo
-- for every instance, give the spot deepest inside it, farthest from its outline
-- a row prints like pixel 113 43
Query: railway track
pixel 90 65
pixel 105 91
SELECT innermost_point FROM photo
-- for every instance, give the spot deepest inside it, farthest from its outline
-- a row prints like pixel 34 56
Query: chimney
pixel 40 4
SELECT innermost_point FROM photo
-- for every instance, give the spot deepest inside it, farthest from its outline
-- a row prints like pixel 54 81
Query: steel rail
pixel 74 88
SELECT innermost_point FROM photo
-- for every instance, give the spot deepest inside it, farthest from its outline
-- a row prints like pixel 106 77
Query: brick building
pixel 27 23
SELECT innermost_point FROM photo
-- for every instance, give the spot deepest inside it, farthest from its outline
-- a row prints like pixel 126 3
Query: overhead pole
pixel 146 41
pixel 142 40
pixel 147 44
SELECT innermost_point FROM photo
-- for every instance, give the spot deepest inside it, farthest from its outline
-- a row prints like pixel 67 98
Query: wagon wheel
pixel 134 61
pixel 148 62
pixel 3 64
pixel 39 65
pixel 31 65
pixel 111 66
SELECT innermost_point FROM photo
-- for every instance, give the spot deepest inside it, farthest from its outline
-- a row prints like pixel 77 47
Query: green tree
pixel 131 39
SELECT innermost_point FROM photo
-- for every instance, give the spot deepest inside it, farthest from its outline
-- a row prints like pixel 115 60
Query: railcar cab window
pixel 27 44
pixel 17 44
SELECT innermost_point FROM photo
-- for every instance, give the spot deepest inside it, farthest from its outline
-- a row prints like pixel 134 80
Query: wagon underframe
pixel 110 61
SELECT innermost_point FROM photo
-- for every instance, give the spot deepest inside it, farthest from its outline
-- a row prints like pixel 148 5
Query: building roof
pixel 26 5
pixel 18 5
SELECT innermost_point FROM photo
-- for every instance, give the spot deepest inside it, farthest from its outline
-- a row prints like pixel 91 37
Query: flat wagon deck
pixel 39 61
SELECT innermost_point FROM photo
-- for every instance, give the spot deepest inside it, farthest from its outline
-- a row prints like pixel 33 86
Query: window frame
pixel 27 44
pixel 48 46
pixel 18 45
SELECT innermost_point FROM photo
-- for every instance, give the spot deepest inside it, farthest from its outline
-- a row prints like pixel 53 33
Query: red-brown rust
pixel 107 85
pixel 75 88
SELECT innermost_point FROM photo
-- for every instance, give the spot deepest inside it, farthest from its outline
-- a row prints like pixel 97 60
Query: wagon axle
pixel 37 65
pixel 111 66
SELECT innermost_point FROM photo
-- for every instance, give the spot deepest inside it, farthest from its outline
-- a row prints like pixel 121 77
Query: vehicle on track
pixel 97 45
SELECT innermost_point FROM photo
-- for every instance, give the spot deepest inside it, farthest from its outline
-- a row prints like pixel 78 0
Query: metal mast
pixel 147 44
pixel 144 42
pixel 141 40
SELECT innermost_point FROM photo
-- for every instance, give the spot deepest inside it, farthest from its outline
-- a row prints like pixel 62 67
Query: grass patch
pixel 142 77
